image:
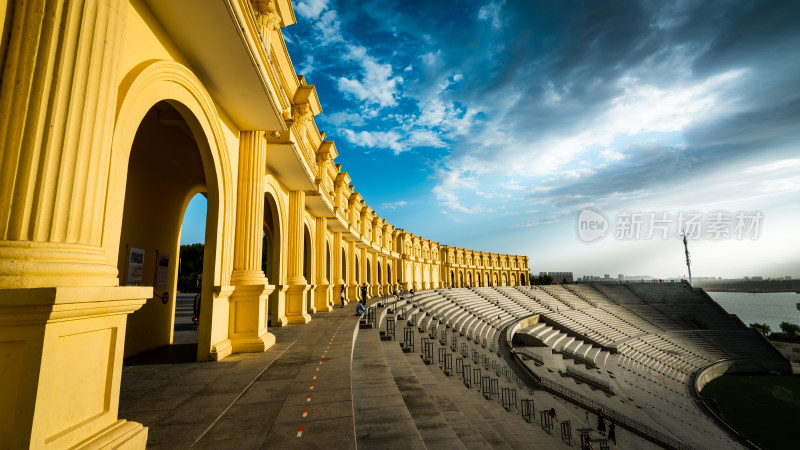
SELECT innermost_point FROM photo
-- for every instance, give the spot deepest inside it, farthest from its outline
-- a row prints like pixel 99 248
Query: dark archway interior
pixel 164 164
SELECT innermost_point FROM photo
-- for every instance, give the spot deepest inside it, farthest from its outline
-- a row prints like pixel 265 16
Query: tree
pixel 790 330
pixel 762 328
pixel 191 268
pixel 543 279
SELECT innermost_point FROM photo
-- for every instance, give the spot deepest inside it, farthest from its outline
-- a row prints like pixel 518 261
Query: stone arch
pixel 142 88
pixel 274 254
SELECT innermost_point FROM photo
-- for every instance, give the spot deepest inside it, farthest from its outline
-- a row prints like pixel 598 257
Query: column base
pixel 253 345
pixel 63 347
pixel 296 304
pixel 321 298
pixel 121 435
pixel 221 350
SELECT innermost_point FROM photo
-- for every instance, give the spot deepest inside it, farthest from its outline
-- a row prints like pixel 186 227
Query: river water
pixel 771 308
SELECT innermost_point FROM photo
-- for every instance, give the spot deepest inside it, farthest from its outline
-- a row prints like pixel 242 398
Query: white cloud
pixel 611 155
pixel 395 205
pixel 330 27
pixel 311 9
pixel 375 139
pixel 346 119
pixel 423 138
pixel 491 13
pixel 377 85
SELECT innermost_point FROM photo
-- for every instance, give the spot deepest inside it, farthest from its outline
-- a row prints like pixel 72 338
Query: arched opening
pixel 307 255
pixel 380 272
pixel 513 279
pixel 469 279
pixel 271 254
pixel 452 279
pixel 164 163
pixel 357 268
pixel 389 278
pixel 480 284
pixel 307 249
pixel 328 272
pixel 369 272
pixel 460 279
pixel 494 279
pixel 344 266
pixel 505 280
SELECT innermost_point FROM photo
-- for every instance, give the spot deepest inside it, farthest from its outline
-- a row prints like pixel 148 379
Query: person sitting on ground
pixel 552 414
pixel 360 309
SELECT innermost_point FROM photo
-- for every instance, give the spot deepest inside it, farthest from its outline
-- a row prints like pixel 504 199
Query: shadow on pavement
pixel 169 354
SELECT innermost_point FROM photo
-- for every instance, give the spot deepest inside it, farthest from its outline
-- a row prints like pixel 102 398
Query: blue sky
pixel 491 125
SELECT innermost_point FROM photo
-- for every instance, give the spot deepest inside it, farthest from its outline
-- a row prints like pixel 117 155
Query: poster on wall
pixel 162 271
pixel 135 264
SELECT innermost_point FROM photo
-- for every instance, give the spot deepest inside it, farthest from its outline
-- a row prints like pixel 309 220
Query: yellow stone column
pixel 323 290
pixel 338 278
pixel 62 316
pixel 352 285
pixel 248 303
pixel 296 311
pixel 363 269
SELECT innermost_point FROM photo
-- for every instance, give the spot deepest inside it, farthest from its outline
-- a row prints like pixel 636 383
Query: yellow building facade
pixel 114 114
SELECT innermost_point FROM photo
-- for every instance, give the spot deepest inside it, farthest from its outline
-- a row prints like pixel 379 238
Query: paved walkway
pixel 298 393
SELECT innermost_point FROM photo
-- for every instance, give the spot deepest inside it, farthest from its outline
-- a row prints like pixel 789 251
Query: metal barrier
pixel 476 356
pixel 585 440
pixel 464 350
pixel 547 421
pixel 486 387
pixel 442 352
pixel 476 376
pixel 509 398
pixel 566 432
pixel 466 376
pixel 390 329
pixel 483 343
pixel 454 344
pixel 460 366
pixel 526 406
pixel 408 339
pixel 448 364
pixel 443 338
pixel 469 335
pixel 427 351
pixel 494 385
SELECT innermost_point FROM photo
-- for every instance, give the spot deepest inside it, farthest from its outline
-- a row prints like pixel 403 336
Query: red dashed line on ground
pixel 308 399
pixel 315 376
pixel 300 431
pixel 305 412
pixel 312 386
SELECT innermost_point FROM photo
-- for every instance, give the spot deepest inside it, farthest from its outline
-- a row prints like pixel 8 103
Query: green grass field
pixel 766 408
